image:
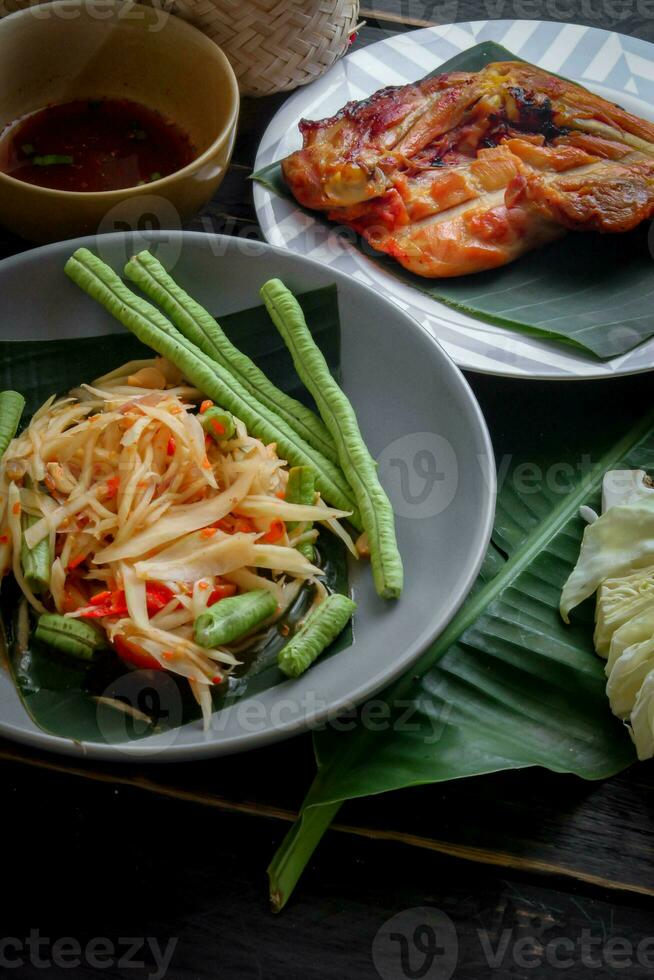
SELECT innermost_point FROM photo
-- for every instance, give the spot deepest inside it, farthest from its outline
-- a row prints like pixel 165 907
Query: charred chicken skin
pixel 463 172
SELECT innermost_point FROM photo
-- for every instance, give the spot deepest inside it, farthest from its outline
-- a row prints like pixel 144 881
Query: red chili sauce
pixel 93 145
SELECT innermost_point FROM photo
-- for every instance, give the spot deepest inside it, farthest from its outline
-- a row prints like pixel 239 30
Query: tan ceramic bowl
pixel 70 50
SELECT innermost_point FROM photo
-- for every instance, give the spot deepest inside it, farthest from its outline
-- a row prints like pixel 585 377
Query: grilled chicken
pixel 463 172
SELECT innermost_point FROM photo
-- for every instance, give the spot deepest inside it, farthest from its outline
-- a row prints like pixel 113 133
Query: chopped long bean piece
pixel 218 424
pixel 36 561
pixel 70 636
pixel 11 409
pixel 319 629
pixel 202 329
pixel 230 619
pixel 301 489
pixel 338 414
pixel 154 329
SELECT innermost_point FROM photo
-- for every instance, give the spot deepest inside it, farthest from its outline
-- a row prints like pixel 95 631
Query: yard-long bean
pixel 36 561
pixel 301 489
pixel 154 329
pixel 337 413
pixel 320 628
pixel 69 636
pixel 202 329
pixel 218 424
pixel 11 409
pixel 230 619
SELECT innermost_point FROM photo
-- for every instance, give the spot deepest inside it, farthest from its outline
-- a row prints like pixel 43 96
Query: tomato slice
pixel 135 655
pixel 223 590
pixel 275 531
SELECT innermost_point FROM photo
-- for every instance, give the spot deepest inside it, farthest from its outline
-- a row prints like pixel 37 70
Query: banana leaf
pixel 508 684
pixel 60 694
pixel 589 291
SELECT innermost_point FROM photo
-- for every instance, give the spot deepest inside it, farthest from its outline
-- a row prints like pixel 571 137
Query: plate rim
pixel 594 370
pixel 122 753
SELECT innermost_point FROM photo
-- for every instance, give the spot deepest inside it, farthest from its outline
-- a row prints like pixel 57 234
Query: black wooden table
pixel 152 870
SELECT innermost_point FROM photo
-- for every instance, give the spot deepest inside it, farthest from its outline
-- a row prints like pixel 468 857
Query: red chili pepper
pixel 99 612
pixel 157 596
pixel 116 606
pixel 113 483
pixel 4 538
pixel 77 560
pixel 275 531
pixel 222 591
pixel 100 598
pixel 205 406
pixel 171 447
pixel 217 427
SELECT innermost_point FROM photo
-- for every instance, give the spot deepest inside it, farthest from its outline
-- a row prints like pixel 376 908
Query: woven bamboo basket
pixel 273 45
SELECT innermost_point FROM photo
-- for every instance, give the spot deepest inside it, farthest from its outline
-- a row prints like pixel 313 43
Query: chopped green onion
pixel 51 160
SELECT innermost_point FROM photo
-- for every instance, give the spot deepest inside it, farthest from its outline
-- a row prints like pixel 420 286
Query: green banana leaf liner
pixel 59 693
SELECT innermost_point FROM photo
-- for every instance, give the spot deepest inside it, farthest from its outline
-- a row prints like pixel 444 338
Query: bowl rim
pixel 120 193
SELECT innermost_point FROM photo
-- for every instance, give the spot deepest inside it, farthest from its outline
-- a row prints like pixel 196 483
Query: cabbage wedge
pixel 616 562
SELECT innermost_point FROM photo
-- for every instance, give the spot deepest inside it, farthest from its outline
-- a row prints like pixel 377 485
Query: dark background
pixel 527 860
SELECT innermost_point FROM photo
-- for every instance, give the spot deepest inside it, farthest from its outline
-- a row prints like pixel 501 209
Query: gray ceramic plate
pixel 418 416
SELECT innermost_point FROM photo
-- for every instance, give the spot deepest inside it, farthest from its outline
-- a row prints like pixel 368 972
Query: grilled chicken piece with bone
pixel 465 172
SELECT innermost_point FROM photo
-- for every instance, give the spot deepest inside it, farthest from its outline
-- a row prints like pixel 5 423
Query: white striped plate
pixel 617 67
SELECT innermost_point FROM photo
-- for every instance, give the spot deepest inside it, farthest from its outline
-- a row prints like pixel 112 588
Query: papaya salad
pixel 170 509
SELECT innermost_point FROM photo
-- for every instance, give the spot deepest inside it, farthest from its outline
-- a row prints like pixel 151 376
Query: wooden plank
pixel 534 821
pixel 115 862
